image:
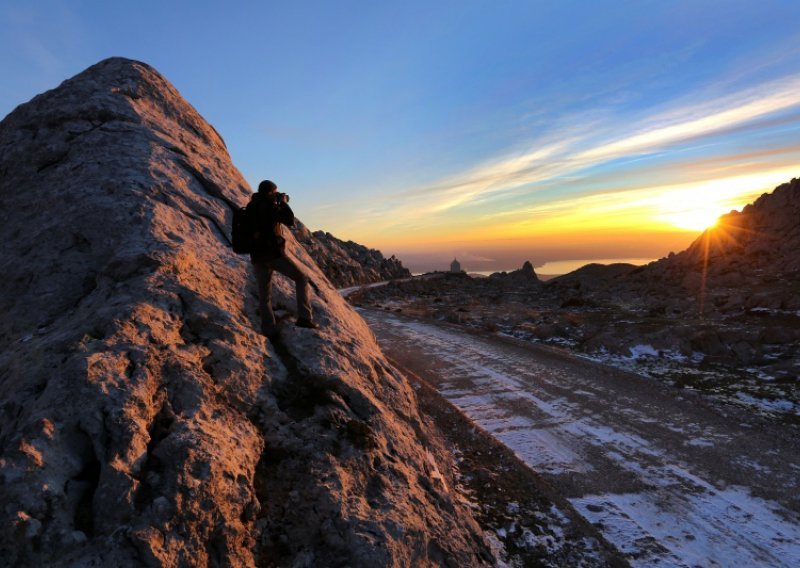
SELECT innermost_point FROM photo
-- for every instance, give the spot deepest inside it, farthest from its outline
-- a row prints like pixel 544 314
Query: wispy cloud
pixel 501 175
pixel 668 205
pixel 582 167
pixel 568 153
pixel 708 118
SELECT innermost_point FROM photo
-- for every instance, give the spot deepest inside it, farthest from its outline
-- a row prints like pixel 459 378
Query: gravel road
pixel 670 478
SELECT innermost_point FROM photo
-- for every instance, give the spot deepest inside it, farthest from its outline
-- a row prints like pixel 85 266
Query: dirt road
pixel 669 478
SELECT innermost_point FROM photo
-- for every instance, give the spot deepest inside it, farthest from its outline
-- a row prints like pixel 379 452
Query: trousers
pixel 288 267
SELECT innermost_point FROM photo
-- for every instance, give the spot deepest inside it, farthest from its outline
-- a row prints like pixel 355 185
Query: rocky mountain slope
pixel 592 275
pixel 749 259
pixel 144 421
pixel 347 263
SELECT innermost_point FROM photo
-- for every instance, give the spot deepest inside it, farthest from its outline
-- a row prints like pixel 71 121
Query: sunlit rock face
pixel 144 421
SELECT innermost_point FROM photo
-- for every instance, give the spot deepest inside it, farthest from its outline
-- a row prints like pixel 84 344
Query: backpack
pixel 243 233
pixel 256 228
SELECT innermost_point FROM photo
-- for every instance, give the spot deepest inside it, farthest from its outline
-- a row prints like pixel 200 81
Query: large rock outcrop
pixel 144 422
pixel 524 275
pixel 347 263
pixel 749 259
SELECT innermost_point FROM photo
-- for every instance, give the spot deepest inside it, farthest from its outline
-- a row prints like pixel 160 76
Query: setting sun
pixel 698 206
pixel 695 220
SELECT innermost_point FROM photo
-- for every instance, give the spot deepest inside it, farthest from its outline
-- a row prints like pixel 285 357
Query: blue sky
pixel 496 131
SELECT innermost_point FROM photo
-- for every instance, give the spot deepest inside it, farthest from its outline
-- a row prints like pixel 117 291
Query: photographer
pixel 271 209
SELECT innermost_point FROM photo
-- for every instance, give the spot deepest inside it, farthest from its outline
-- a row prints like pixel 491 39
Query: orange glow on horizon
pixel 649 221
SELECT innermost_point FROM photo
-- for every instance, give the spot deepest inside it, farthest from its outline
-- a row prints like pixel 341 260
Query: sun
pixel 698 219
pixel 691 211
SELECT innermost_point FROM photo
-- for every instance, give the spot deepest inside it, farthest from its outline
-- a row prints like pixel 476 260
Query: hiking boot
pixel 306 323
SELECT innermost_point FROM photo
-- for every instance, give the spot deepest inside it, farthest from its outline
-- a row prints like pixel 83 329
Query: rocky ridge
pixel 347 263
pixel 749 259
pixel 523 275
pixel 144 421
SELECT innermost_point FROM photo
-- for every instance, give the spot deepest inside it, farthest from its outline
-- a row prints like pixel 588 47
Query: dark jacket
pixel 271 211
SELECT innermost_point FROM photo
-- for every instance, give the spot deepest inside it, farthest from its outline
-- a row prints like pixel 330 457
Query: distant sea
pixel 559 267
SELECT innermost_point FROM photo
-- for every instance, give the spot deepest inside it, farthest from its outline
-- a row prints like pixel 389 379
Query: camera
pixel 281 198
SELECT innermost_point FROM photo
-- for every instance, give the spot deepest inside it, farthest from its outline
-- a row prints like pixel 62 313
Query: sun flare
pixel 695 219
pixel 698 206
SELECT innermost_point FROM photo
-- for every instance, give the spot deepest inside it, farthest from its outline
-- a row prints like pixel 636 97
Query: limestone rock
pixel 144 421
pixel 347 263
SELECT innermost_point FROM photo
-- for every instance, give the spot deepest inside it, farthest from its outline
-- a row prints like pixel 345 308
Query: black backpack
pixel 243 233
pixel 255 227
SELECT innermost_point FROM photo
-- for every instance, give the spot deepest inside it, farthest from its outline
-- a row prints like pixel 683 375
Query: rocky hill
pixel 347 263
pixel 144 421
pixel 592 275
pixel 749 259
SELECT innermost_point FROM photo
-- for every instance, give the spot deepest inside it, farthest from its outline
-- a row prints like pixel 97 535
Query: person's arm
pixel 285 214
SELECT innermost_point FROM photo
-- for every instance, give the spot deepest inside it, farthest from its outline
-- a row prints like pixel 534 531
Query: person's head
pixel 267 187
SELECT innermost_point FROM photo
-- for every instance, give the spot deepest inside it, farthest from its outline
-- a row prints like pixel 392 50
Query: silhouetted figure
pixel 271 210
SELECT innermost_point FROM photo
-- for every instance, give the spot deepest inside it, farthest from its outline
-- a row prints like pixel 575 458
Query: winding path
pixel 669 478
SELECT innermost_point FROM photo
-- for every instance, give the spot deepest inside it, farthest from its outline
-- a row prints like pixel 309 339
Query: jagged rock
pixel 527 270
pixel 144 422
pixel 348 263
pixel 526 274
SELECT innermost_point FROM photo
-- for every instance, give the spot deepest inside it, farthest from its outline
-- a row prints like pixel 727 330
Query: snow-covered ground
pixel 668 480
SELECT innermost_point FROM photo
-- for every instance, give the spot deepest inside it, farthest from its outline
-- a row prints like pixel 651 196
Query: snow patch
pixel 724 528
pixel 700 443
pixel 639 351
pixel 771 405
pixel 681 520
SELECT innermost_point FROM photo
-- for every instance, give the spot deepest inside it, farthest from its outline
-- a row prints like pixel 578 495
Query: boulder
pixel 708 342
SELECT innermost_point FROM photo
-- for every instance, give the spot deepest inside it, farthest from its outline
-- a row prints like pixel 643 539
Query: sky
pixel 494 131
